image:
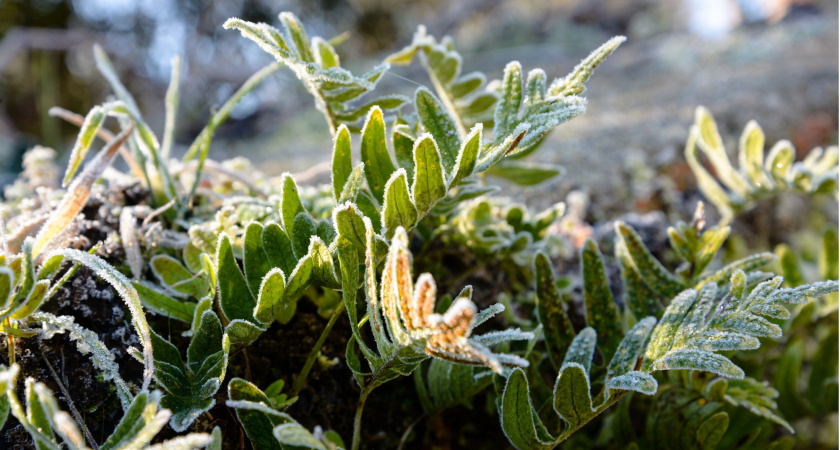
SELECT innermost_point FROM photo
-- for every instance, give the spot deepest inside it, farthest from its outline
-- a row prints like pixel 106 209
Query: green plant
pixel 227 260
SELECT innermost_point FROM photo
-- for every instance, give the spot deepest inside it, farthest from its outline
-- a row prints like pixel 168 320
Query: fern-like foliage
pixel 695 327
pixel 757 176
pixel 317 65
pixel 649 285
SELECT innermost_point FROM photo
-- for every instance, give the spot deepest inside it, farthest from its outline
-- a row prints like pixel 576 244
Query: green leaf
pixel 429 183
pixel 192 386
pixel 278 247
pixel 243 332
pixel 572 400
pixel 37 296
pixel 375 156
pixel 437 121
pixel 506 116
pixel 557 327
pixel 323 267
pixel 303 229
pixel 269 303
pixel 467 156
pixel 178 280
pixel 649 268
pixel 631 348
pixel 402 138
pixel 290 205
pixel 298 281
pixel 37 417
pixel 257 423
pixel 293 435
pixel 325 54
pixel 7 281
pixel 235 299
pixel 298 36
pixel 601 311
pixel 87 134
pixel 139 424
pixel 823 371
pixel 399 210
pixel 255 261
pixel 712 429
pixel 520 422
pixel 163 304
pixel 525 174
pixel 342 162
pixel 354 185
pixel 751 155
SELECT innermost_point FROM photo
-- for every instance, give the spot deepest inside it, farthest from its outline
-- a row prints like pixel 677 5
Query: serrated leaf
pixel 634 381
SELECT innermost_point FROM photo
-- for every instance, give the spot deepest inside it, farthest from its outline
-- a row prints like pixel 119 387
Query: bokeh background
pixel 775 61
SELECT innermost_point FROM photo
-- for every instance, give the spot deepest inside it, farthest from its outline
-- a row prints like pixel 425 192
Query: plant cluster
pixel 228 258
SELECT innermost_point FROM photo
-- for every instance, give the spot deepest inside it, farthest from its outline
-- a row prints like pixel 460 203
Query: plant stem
pixel 10 342
pixel 357 422
pixel 301 378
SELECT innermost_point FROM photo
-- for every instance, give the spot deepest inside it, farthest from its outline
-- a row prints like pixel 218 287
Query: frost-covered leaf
pixel 698 324
pixel 191 386
pixel 601 311
pixel 160 303
pixel 342 163
pixel 437 121
pixel 429 180
pixel 378 164
pixel 520 422
pixel 557 327
pixel 398 210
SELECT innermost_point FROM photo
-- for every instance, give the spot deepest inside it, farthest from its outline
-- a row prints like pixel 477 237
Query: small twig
pixel 247 364
pixel 313 172
pixel 158 212
pixel 408 431
pixel 301 378
pixel 70 404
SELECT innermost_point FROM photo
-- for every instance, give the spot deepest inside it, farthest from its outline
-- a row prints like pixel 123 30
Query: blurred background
pixel 775 61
